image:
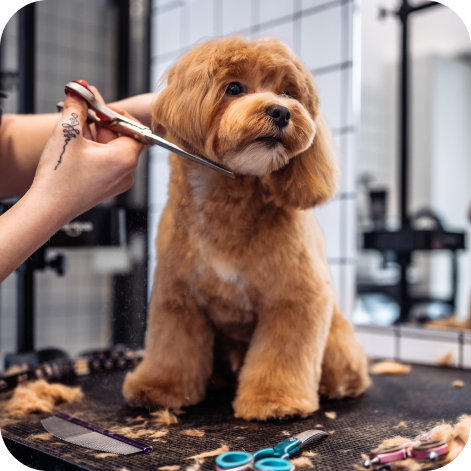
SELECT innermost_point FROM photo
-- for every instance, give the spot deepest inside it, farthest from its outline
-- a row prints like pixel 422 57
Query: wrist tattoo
pixel 70 131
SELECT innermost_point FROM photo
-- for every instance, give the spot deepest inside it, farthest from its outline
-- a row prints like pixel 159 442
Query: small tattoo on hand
pixel 70 131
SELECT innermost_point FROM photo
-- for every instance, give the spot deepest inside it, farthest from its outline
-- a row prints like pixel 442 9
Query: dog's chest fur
pixel 236 243
pixel 226 235
pixel 220 290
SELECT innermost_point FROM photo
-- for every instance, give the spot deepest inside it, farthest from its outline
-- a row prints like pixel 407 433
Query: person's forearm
pixel 23 137
pixel 138 106
pixel 26 227
pixel 22 140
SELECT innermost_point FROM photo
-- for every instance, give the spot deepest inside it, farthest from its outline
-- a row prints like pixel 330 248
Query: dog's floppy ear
pixel 309 179
pixel 188 81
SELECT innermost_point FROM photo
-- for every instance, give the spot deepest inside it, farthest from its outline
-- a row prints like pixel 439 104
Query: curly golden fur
pixel 245 257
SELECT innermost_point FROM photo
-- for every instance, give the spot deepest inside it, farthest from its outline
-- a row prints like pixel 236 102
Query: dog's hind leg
pixel 179 350
pixel 344 369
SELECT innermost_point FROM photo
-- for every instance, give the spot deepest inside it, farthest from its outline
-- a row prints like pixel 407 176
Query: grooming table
pixel 421 400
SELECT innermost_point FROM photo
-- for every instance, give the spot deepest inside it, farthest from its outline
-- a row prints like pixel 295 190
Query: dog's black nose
pixel 280 115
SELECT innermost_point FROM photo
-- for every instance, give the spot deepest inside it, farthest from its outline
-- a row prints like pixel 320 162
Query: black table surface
pixel 421 400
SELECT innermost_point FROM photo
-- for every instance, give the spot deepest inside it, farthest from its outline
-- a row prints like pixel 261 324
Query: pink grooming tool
pixel 428 451
pixel 425 450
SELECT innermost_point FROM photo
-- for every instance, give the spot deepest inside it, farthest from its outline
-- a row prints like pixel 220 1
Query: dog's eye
pixel 288 94
pixel 234 88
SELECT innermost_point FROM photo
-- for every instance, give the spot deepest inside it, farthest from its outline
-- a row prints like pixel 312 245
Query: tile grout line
pixel 268 24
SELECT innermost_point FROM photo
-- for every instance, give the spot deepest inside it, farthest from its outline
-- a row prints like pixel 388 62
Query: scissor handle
pixel 234 461
pixel 117 126
pixel 274 464
pixel 103 112
pixel 268 453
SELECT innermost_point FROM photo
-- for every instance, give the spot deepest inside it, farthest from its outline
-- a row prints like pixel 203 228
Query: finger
pixel 127 146
pixel 124 113
pixel 97 94
pixel 75 105
pixel 103 135
pixel 87 134
pixel 114 108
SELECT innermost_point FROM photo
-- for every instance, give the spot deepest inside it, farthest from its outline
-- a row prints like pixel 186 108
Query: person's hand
pixel 74 174
pixel 74 171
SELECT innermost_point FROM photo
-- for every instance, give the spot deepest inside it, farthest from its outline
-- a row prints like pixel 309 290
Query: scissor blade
pixel 201 160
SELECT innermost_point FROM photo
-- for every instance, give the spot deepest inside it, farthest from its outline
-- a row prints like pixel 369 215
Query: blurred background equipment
pixel 411 230
pixel 102 299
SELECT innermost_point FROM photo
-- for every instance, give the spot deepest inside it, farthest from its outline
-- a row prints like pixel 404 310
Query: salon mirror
pixel 413 213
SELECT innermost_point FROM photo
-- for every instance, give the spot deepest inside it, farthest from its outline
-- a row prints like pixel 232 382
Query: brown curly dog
pixel 245 257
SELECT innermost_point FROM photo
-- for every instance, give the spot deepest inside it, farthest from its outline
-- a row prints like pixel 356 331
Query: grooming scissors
pixel 103 116
pixel 268 459
pixel 421 448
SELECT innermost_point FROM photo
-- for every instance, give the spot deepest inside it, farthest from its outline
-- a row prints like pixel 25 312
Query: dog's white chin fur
pixel 258 159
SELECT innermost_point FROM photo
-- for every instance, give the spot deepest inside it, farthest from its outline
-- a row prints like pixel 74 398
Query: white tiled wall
pixel 321 38
pixel 330 87
pixel 321 32
pixel 72 312
pixel 274 9
pixel 71 39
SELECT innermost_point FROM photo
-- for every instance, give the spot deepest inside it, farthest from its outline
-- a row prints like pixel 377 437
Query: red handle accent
pixel 102 117
pixel 82 82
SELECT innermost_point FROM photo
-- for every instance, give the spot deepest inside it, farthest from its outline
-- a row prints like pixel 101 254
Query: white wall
pixel 321 32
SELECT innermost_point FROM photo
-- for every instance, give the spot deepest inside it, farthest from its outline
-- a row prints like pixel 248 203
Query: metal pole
pixel 27 56
pixel 25 308
pixel 404 114
pixel 123 48
pixel 404 260
pixel 27 81
pixel 122 283
pixel 403 13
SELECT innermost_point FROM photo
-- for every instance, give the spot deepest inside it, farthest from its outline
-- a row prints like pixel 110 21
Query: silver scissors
pixel 103 116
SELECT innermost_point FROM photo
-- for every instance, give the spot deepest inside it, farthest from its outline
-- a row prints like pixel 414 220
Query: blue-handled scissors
pixel 269 459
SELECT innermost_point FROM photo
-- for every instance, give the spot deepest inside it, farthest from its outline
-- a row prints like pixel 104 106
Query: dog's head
pixel 253 107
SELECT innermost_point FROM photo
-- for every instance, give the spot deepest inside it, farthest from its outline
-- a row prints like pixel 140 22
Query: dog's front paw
pixel 257 406
pixel 143 391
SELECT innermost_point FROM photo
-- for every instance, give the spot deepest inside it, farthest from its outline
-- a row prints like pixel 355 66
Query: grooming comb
pixel 87 435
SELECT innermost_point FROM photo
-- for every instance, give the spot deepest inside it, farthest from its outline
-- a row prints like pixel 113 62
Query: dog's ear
pixel 186 82
pixel 309 179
